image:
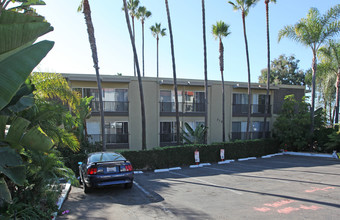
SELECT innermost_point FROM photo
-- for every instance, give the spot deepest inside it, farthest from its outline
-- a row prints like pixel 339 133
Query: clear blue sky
pixel 71 53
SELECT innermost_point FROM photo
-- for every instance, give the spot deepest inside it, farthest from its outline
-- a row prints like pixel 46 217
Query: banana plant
pixel 19 55
pixel 191 136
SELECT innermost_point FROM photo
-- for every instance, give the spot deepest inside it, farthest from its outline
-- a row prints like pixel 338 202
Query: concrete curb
pixel 62 198
pixel 307 154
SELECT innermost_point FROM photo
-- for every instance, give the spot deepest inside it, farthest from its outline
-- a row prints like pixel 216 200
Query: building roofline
pixel 169 81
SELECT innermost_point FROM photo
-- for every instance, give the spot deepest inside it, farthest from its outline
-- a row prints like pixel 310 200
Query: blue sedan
pixel 105 169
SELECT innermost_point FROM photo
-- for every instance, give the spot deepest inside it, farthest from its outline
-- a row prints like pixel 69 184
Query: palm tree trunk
pixel 139 78
pixel 143 46
pixel 313 91
pixel 205 73
pixel 174 72
pixel 134 42
pixel 268 72
pixel 248 66
pixel 223 98
pixel 337 97
pixel 92 39
pixel 157 56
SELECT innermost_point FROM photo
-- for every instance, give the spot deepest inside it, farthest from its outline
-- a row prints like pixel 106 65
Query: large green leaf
pixel 11 165
pixel 13 75
pixel 17 35
pixel 23 103
pixel 16 131
pixel 4 192
pixel 36 139
pixel 9 157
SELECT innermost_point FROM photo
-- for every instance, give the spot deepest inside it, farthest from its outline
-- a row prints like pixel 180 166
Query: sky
pixel 72 54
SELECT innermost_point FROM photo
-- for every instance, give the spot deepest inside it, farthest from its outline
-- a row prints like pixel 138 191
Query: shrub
pixel 292 127
pixel 184 155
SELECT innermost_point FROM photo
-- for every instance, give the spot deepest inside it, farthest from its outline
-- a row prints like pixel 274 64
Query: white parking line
pixel 203 181
pixel 142 189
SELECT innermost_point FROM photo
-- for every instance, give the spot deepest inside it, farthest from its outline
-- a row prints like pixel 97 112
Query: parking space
pixel 284 187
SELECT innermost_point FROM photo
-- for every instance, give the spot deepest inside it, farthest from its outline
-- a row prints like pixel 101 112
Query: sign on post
pixel 197 156
pixel 222 154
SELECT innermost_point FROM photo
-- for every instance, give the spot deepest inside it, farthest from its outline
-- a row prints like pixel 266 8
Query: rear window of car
pixel 103 157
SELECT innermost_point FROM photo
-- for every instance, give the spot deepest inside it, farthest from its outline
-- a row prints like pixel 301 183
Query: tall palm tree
pixel 330 56
pixel 313 31
pixel 141 15
pixel 219 31
pixel 268 67
pixel 205 73
pixel 174 72
pixel 139 77
pixel 157 31
pixel 244 6
pixel 132 6
pixel 85 7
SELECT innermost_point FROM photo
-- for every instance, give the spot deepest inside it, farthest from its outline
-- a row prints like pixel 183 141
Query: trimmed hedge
pixel 166 157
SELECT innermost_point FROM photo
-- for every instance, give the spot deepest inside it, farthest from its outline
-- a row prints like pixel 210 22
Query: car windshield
pixel 102 157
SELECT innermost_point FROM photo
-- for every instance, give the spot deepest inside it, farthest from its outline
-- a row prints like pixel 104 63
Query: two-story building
pixel 123 113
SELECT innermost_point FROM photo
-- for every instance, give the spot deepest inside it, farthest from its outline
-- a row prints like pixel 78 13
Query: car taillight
pixel 91 171
pixel 128 167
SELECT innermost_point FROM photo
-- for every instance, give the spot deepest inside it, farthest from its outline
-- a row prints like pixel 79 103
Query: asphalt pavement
pixel 281 187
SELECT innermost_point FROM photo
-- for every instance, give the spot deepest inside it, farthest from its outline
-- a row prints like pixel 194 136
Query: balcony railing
pixel 110 138
pixel 111 106
pixel 168 138
pixel 242 109
pixel 186 106
pixel 252 135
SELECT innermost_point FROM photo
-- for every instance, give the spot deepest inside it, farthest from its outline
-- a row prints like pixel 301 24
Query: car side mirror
pixel 80 163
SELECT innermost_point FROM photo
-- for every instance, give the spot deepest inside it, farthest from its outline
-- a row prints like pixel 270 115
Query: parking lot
pixel 281 187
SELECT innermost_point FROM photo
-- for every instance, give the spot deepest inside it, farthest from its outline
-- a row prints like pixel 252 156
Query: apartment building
pixel 123 113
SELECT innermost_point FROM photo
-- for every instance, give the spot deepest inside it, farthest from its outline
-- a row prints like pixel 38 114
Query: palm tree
pixel 156 30
pixel 132 6
pixel 205 73
pixel 85 6
pixel 139 77
pixel 244 6
pixel 330 56
pixel 313 31
pixel 268 67
pixel 219 31
pixel 174 72
pixel 141 15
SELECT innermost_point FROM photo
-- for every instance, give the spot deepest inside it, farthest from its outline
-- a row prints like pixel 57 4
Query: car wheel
pixel 128 185
pixel 87 189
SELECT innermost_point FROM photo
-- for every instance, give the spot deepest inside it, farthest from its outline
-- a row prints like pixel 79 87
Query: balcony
pixel 112 140
pixel 184 108
pixel 256 110
pixel 115 107
pixel 253 135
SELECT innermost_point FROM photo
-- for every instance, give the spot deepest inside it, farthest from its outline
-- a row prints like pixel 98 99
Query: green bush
pixel 184 155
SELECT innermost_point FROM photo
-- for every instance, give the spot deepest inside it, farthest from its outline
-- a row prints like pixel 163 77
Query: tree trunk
pixel 134 41
pixel 266 112
pixel 248 66
pixel 92 39
pixel 205 73
pixel 313 92
pixel 157 56
pixel 223 98
pixel 174 72
pixel 337 97
pixel 139 78
pixel 143 46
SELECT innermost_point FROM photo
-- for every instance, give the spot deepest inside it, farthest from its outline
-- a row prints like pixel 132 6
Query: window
pixel 117 132
pixel 168 132
pixel 194 101
pixel 259 103
pixel 239 130
pixel 167 101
